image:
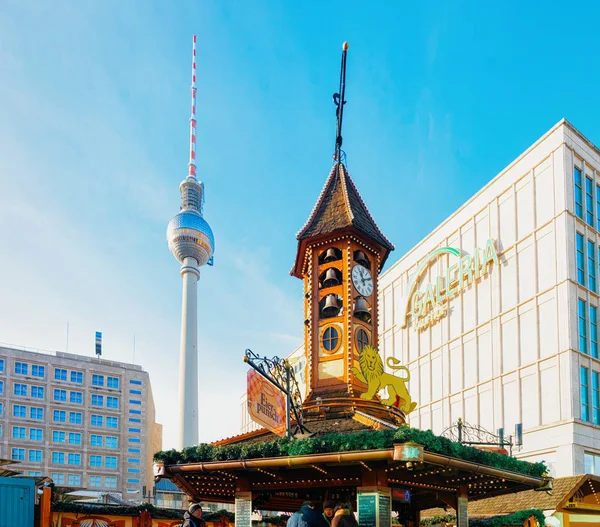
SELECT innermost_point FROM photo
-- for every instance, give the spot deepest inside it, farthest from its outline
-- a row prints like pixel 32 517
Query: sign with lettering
pixel 408 452
pixel 429 304
pixel 384 509
pixel 266 404
pixel 374 506
pixel 401 495
pixel 367 509
pixel 243 509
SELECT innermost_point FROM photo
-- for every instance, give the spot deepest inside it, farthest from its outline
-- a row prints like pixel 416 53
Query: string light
pixel 322 470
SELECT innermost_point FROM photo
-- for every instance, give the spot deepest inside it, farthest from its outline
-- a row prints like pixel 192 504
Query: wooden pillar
pixel 462 511
pixel 45 511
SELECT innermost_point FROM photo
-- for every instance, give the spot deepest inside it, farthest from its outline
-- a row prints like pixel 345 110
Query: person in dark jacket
pixel 193 516
pixel 328 512
pixel 344 517
pixel 307 516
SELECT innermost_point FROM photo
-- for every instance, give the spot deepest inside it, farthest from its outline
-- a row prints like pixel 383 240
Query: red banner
pixel 266 404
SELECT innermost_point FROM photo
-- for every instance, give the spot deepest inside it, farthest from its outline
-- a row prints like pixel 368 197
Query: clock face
pixel 362 280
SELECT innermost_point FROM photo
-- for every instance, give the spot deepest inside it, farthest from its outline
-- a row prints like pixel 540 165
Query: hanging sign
pixel 408 452
pixel 429 304
pixel 266 404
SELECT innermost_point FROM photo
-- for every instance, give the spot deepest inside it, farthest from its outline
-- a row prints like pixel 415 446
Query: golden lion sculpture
pixel 372 374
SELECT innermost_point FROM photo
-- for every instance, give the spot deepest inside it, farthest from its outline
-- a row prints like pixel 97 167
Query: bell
pixel 330 255
pixel 361 259
pixel 330 279
pixel 361 309
pixel 331 307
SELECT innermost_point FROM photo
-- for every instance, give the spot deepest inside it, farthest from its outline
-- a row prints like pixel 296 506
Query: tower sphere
pixel 189 235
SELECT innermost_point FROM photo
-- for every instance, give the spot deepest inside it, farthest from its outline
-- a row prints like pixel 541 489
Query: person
pixel 193 516
pixel 328 511
pixel 344 517
pixel 307 516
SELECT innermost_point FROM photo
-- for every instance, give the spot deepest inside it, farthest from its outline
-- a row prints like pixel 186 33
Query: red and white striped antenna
pixel 192 162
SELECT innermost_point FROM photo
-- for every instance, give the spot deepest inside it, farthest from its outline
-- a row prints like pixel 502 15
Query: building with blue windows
pixel 83 421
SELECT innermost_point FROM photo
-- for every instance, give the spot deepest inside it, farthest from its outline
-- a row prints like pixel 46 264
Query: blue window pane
pixel 112 422
pixel 134 430
pixel 595 398
pixel 580 259
pixel 77 376
pixel 133 440
pixel 21 368
pixel 592 265
pixel 76 397
pixel 74 438
pixel 112 442
pixel 58 437
pixel 589 202
pixel 133 381
pixel 60 374
pixel 578 192
pixel 135 392
pixel 38 371
pixel 75 418
pixel 36 413
pixel 36 434
pixel 97 380
pixel 112 382
pixel 2 365
pixel 133 450
pixel 20 389
pixel 582 325
pixel 134 420
pixel 19 411
pixel 135 401
pixel 97 420
pixel 37 392
pixel 136 412
pixel 585 405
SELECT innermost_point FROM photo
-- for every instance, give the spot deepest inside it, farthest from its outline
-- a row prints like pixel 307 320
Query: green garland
pixel 516 518
pixel 336 442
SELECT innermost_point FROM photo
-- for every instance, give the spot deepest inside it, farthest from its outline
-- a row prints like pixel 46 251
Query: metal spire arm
pixel 339 101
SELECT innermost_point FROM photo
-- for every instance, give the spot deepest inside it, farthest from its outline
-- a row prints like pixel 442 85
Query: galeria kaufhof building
pixel 496 311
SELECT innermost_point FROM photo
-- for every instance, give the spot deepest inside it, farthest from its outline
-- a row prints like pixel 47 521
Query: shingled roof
pixel 563 489
pixel 340 206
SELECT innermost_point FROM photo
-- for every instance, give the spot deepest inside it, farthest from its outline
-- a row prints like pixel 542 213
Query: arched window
pixel 362 339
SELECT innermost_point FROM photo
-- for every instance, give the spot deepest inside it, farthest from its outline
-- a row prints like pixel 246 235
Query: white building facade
pixel 507 333
pixel 85 422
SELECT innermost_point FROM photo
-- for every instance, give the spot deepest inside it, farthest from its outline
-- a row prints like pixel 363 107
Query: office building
pixel 86 422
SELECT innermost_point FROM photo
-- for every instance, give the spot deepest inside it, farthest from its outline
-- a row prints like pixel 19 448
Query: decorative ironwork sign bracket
pixel 280 373
pixel 478 436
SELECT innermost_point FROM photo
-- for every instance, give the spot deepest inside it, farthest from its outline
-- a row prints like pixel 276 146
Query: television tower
pixel 192 242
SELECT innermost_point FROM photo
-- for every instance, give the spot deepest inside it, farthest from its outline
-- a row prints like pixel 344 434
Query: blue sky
pixel 94 107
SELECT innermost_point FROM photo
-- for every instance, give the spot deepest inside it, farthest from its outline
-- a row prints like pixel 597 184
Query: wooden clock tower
pixel 341 251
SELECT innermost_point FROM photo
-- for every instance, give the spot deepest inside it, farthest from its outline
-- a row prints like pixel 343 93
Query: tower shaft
pixel 188 359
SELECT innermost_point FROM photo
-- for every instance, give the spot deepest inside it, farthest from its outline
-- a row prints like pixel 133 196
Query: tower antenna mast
pixel 339 101
pixel 192 162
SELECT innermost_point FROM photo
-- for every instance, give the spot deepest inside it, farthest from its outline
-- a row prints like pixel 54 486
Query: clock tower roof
pixel 340 207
